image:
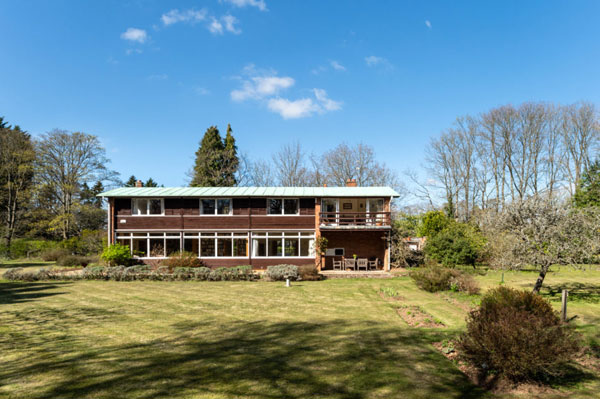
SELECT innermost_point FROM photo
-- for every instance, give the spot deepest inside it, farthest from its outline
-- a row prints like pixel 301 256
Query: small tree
pixel 117 255
pixel 320 247
pixel 457 244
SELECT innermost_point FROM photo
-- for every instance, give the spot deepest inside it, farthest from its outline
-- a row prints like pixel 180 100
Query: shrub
pixel 434 278
pixel 308 273
pixel 89 242
pixel 232 273
pixel 74 260
pixel 117 254
pixel 281 272
pixel 183 259
pixel 457 244
pixel 464 283
pixel 52 255
pixel 518 335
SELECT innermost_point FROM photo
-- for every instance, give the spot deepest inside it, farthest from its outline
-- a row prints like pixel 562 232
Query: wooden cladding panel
pixel 148 222
pixel 215 222
pixel 307 206
pixel 283 222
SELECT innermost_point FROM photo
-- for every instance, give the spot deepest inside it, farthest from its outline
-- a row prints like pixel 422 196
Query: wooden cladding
pixel 344 219
pixel 214 222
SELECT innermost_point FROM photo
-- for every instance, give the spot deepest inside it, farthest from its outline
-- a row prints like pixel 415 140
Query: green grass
pixel 29 264
pixel 330 339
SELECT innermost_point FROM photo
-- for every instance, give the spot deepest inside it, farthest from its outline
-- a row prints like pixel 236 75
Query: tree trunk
pixel 540 280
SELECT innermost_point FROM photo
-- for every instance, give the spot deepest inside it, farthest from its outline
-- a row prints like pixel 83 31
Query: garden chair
pixel 337 265
pixel 362 263
pixel 350 263
pixel 373 264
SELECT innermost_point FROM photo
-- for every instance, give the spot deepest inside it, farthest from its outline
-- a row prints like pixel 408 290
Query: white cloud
pixel 230 21
pixel 134 35
pixel 258 87
pixel 337 66
pixel 130 51
pixel 428 24
pixel 292 109
pixel 326 103
pixel 215 27
pixel 260 4
pixel 318 70
pixel 190 15
pixel 374 61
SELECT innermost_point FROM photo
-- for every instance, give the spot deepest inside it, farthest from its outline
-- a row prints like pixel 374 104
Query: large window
pixel 220 206
pixel 147 206
pixel 151 245
pixel 282 206
pixel 283 245
pixel 220 245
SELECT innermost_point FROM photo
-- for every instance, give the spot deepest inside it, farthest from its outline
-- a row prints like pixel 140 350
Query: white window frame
pixel 150 236
pixel 215 207
pixel 162 206
pixel 282 199
pixel 215 235
pixel 266 235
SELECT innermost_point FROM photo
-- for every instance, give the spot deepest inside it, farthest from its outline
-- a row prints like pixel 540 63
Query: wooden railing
pixel 355 219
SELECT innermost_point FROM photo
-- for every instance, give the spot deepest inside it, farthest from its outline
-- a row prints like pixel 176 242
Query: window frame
pixel 162 206
pixel 283 235
pixel 282 199
pixel 200 207
pixel 214 235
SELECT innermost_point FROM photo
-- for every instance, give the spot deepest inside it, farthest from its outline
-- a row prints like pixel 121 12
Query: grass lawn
pixel 330 339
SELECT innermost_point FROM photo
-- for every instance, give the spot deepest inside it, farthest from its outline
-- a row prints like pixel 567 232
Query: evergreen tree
pixel 209 160
pixel 588 191
pixel 131 181
pixel 230 159
pixel 150 183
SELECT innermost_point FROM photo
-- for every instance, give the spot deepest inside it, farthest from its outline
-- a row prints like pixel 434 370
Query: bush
pixel 232 273
pixel 281 272
pixel 518 335
pixel 183 259
pixel 434 278
pixel 308 273
pixel 457 244
pixel 52 255
pixel 464 283
pixel 74 260
pixel 89 242
pixel 117 254
pixel 26 248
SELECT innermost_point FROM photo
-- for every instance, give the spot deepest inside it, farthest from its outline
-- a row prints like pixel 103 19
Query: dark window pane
pixel 155 207
pixel 140 247
pixel 223 206
pixel 259 247
pixel 274 206
pixel 207 246
pixel 291 247
pixel 306 246
pixel 224 247
pixel 290 206
pixel 157 247
pixel 191 245
pixel 172 246
pixel 240 247
pixel 275 247
pixel 208 207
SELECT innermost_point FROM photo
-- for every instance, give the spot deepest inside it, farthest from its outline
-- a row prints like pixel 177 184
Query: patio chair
pixel 350 263
pixel 337 265
pixel 373 264
pixel 362 263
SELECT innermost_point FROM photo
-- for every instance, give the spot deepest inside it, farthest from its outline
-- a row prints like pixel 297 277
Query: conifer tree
pixel 216 160
pixel 230 159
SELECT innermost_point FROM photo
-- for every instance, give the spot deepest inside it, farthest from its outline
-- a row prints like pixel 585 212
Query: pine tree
pixel 150 183
pixel 588 191
pixel 131 181
pixel 230 159
pixel 209 160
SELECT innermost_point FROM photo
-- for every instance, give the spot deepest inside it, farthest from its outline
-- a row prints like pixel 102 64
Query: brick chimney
pixel 351 183
pixel 324 184
pixel 139 183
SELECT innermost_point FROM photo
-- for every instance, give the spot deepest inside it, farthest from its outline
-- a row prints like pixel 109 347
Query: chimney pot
pixel 324 184
pixel 139 183
pixel 351 183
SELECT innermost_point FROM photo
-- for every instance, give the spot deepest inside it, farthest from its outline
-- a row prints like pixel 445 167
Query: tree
pixel 130 182
pixel 588 190
pixel 17 157
pixel 542 233
pixel 65 162
pixel 216 160
pixel 432 223
pixel 150 183
pixel 290 167
pixel 456 244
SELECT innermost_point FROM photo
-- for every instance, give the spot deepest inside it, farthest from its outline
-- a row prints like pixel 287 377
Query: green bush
pixel 518 335
pixel 434 278
pixel 432 223
pixel 27 248
pixel 183 259
pixel 52 255
pixel 281 272
pixel 232 273
pixel 117 254
pixel 457 244
pixel 89 242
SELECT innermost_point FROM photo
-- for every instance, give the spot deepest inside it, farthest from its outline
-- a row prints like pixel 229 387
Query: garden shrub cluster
pixel 518 335
pixel 308 273
pixel 183 259
pixel 117 254
pixel 75 260
pixel 54 254
pixel 434 278
pixel 282 272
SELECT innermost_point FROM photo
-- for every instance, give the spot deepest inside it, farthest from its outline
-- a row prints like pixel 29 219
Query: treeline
pixel 511 153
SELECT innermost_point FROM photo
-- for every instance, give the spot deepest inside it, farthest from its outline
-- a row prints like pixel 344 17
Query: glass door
pixel 329 209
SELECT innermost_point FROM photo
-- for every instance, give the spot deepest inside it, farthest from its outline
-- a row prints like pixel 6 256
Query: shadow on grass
pixel 259 359
pixel 15 292
pixel 580 292
pixel 25 265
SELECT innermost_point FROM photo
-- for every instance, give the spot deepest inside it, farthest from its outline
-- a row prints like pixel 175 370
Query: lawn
pixel 334 339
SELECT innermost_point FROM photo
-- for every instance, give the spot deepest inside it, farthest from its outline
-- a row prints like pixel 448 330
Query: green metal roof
pixel 250 192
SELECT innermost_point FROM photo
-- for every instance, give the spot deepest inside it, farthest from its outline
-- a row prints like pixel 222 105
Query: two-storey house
pixel 258 226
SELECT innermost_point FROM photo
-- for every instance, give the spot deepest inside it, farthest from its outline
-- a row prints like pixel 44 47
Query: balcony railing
pixel 349 219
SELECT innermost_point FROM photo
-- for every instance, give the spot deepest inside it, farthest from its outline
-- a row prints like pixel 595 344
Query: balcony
pixel 355 220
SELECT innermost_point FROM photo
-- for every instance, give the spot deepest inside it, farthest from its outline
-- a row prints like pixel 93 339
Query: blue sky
pixel 148 77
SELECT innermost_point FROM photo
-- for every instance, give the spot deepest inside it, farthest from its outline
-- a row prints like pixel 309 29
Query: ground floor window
pixel 151 245
pixel 217 245
pixel 283 244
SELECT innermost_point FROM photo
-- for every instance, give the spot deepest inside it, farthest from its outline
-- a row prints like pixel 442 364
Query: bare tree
pixel 290 166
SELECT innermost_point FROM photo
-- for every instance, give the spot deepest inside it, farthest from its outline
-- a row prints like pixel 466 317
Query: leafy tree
pixel 65 162
pixel 588 190
pixel 456 244
pixel 216 160
pixel 432 223
pixel 17 157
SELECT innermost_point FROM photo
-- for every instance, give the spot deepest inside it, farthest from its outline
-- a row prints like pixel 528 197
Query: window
pixel 220 206
pixel 143 206
pixel 151 245
pixel 211 245
pixel 285 206
pixel 279 244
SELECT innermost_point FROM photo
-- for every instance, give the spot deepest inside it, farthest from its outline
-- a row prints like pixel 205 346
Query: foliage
pixel 282 272
pixel 74 260
pixel 89 242
pixel 308 273
pixel 183 259
pixel 27 248
pixel 434 278
pixel 406 225
pixel 53 254
pixel 588 191
pixel 432 223
pixel 518 335
pixel 464 283
pixel 216 160
pixel 117 254
pixel 457 244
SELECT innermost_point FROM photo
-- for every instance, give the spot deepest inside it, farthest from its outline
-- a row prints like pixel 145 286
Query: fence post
pixel 565 294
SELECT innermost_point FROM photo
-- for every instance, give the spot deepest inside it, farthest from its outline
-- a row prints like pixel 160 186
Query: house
pixel 257 226
pixel 415 243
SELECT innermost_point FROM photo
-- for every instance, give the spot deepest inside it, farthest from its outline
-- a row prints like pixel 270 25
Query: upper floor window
pixel 220 206
pixel 148 206
pixel 282 206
